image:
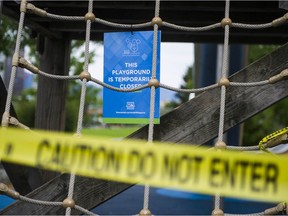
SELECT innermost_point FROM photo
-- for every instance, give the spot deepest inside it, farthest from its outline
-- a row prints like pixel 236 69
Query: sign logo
pixel 130 105
pixel 132 47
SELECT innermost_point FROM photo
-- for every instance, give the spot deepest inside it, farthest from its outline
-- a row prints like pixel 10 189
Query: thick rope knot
pixel 220 145
pixel 85 75
pixel 226 21
pixel 145 212
pixel 25 64
pixel 154 82
pixel 4 189
pixel 5 119
pixel 217 212
pixel 33 9
pixel 90 16
pixel 68 203
pixel 280 21
pixel 279 209
pixel 224 82
pixel 15 59
pixel 23 6
pixel 281 76
pixel 157 20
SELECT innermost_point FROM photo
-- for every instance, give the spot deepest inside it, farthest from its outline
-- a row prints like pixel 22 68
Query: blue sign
pixel 128 64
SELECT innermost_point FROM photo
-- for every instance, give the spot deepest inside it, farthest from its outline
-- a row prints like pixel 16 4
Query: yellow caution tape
pixel 271 137
pixel 243 175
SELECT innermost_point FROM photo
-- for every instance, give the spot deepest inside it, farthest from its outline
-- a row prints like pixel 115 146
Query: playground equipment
pixel 229 95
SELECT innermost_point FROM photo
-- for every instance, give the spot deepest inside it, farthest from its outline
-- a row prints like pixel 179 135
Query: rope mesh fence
pixel 224 84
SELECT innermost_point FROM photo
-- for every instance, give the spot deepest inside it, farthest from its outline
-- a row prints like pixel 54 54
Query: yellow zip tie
pixel 273 139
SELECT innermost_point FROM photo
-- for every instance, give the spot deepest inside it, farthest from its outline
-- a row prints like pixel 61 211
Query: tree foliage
pixel 182 97
pixel 8 35
pixel 8 32
pixel 74 88
pixel 25 102
pixel 258 51
pixel 25 106
pixel 271 119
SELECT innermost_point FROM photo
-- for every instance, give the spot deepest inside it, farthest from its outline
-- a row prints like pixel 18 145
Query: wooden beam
pixel 193 122
pixel 211 37
pixel 197 120
pixel 187 13
pixel 59 191
pixel 31 24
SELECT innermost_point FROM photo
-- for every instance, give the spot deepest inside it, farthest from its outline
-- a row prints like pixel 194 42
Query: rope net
pixel 156 22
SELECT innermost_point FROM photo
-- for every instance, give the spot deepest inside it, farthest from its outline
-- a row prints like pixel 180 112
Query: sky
pixel 175 58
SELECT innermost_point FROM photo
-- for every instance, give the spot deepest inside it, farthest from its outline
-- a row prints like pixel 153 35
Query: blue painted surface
pixel 208 64
pixel 130 202
pixel 5 201
pixel 183 195
pixel 237 62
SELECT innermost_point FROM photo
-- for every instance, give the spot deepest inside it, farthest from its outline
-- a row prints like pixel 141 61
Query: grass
pixel 112 132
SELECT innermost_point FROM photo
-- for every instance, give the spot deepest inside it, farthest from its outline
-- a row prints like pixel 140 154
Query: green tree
pixel 182 97
pixel 25 103
pixel 8 33
pixel 25 106
pixel 74 89
pixel 258 51
pixel 269 120
pixel 73 101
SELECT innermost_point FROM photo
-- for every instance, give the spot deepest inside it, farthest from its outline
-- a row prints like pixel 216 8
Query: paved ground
pixel 167 202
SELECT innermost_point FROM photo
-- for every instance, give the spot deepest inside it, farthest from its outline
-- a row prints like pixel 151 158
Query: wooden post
pixel 55 59
pixel 195 121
